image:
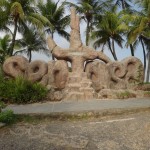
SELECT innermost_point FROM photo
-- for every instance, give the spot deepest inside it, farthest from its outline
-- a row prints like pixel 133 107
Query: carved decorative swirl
pixel 15 66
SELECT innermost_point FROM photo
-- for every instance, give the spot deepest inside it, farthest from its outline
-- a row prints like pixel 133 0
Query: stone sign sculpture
pixel 92 72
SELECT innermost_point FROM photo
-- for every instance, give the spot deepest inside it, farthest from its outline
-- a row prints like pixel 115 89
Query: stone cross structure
pixel 77 53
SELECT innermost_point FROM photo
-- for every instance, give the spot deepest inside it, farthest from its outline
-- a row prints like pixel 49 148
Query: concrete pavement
pixel 77 107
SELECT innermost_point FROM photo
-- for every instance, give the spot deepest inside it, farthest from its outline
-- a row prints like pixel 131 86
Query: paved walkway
pixel 76 107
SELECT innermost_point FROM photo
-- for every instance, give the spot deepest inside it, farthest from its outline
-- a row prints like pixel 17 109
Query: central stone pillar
pixel 79 87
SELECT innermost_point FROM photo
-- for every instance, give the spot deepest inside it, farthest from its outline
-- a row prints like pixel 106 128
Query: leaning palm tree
pixel 4 47
pixel 19 11
pixel 31 41
pixel 91 11
pixel 109 31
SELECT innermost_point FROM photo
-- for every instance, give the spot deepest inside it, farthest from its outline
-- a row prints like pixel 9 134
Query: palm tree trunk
pixel 144 54
pixel 113 49
pixel 53 58
pixel 123 4
pixel 14 36
pixel 148 68
pixel 109 44
pixel 132 50
pixel 30 55
pixel 87 33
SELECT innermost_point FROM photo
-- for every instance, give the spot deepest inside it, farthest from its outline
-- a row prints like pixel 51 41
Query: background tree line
pixel 125 23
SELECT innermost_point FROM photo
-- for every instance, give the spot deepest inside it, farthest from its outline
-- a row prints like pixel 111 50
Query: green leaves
pixel 21 91
pixel 17 10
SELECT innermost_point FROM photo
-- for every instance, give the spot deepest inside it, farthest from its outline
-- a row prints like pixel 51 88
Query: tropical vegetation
pixel 109 24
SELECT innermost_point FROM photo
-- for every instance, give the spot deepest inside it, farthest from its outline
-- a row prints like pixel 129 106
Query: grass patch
pixel 7 117
pixel 147 94
pixel 125 94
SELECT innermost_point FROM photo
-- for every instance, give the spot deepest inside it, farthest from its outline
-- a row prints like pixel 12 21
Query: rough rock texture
pixel 78 87
pixel 60 74
pixel 15 66
pixel 55 95
pixel 135 70
pixel 124 74
pixel 117 71
pixel 36 70
pixel 77 53
pixel 57 74
pixel 98 73
pixel 116 94
pixel 115 75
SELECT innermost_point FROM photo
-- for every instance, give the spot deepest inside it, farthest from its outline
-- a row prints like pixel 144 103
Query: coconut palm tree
pixel 109 32
pixel 141 26
pixel 19 11
pixel 125 5
pixel 91 11
pixel 146 42
pixel 55 15
pixel 31 41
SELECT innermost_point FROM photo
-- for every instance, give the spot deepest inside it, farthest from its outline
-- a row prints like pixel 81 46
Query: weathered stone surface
pixel 117 71
pixel 15 66
pixel 77 53
pixel 135 70
pixel 36 70
pixel 60 73
pixel 55 95
pixel 76 89
pixel 116 94
pixel 98 73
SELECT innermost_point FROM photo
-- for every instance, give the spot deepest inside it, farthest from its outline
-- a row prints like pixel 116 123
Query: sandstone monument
pixel 92 75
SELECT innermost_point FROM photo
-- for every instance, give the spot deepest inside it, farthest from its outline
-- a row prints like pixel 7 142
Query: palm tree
pixel 141 26
pixel 31 41
pixel 127 11
pixel 55 15
pixel 109 32
pixel 146 42
pixel 91 11
pixel 19 11
pixel 4 47
pixel 148 67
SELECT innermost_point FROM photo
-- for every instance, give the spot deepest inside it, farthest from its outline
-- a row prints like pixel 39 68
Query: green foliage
pixel 21 91
pixel 7 116
pixel 2 105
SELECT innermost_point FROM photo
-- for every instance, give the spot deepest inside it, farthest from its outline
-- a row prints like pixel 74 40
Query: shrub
pixel 7 116
pixel 2 105
pixel 21 91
